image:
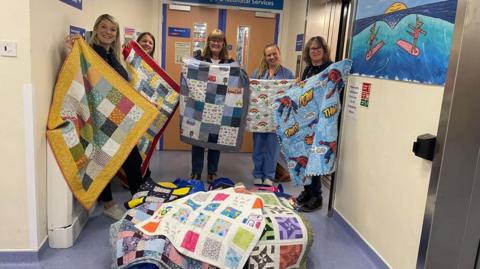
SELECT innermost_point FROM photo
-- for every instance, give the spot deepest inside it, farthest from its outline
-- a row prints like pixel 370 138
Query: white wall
pixel 14 73
pixel 41 26
pixel 382 185
pixel 293 23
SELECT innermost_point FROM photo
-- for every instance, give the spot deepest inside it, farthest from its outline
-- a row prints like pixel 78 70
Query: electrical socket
pixel 8 48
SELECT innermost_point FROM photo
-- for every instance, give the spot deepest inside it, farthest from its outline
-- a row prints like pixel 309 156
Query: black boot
pixel 314 203
pixel 303 197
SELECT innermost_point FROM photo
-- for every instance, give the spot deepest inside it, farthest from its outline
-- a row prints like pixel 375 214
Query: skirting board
pixel 374 255
pixel 23 257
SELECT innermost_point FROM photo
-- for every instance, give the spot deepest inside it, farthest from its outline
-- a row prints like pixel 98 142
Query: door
pixel 451 228
pixel 256 32
pixel 183 19
pixel 261 31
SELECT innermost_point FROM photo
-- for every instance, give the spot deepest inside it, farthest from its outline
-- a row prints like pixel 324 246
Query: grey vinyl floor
pixel 335 245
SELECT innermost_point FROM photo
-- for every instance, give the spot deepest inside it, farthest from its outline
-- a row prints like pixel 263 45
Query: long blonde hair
pixel 263 67
pixel 216 34
pixel 116 44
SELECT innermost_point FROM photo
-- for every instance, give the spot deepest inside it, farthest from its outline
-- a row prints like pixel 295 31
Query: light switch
pixel 8 48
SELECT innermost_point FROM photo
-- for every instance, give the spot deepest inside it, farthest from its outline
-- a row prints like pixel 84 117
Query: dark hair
pixel 322 43
pixel 151 36
pixel 216 34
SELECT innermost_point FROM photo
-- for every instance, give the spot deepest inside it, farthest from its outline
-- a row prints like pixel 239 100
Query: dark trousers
pixel 132 168
pixel 315 188
pixel 213 157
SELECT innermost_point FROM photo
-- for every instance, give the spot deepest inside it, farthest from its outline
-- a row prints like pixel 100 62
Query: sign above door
pixel 254 4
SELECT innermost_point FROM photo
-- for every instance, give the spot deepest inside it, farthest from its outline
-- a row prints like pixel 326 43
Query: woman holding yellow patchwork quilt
pixel 105 41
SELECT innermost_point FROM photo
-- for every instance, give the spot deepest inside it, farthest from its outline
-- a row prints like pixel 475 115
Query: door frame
pixel 451 223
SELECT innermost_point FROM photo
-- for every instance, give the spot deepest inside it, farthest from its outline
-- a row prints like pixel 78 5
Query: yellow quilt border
pixel 62 154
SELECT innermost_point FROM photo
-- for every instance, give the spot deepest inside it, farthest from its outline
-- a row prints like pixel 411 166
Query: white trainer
pixel 258 181
pixel 114 212
pixel 267 182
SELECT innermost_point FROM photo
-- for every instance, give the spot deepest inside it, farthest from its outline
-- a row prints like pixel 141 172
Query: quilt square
pixel 190 128
pixel 212 114
pixel 289 255
pixel 211 249
pixel 181 215
pixel 228 135
pixel 231 212
pixel 219 74
pixel 243 238
pixel 192 204
pixel 289 228
pixel 254 221
pixel 220 197
pixel 233 258
pixel 201 220
pixel 234 97
pixel 190 241
pixel 197 90
pixel 212 207
pixel 263 257
pixel 108 127
pixel 206 129
pixel 220 227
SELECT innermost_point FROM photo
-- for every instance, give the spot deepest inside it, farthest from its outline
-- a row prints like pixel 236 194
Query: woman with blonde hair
pixel 105 41
pixel 266 147
pixel 215 51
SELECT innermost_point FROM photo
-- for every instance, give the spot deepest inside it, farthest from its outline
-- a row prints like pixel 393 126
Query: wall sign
pixel 182 49
pixel 242 45
pixel 405 40
pixel 129 34
pixel 179 32
pixel 299 42
pixel 258 4
pixel 365 98
pixel 77 30
pixel 73 3
pixel 199 36
pixel 353 100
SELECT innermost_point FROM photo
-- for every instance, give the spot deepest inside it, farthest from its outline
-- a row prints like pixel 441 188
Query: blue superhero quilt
pixel 307 123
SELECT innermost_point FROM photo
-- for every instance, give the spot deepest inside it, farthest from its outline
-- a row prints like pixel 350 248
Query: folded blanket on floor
pixel 260 110
pixel 132 247
pixel 286 239
pixel 159 88
pixel 213 104
pixel 95 120
pixel 219 227
pixel 307 119
pixel 152 192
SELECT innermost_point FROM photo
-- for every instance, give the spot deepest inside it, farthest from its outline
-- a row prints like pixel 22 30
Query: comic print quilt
pixel 307 119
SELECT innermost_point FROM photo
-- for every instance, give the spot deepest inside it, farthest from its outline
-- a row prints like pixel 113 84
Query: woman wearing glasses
pixel 317 57
pixel 215 52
